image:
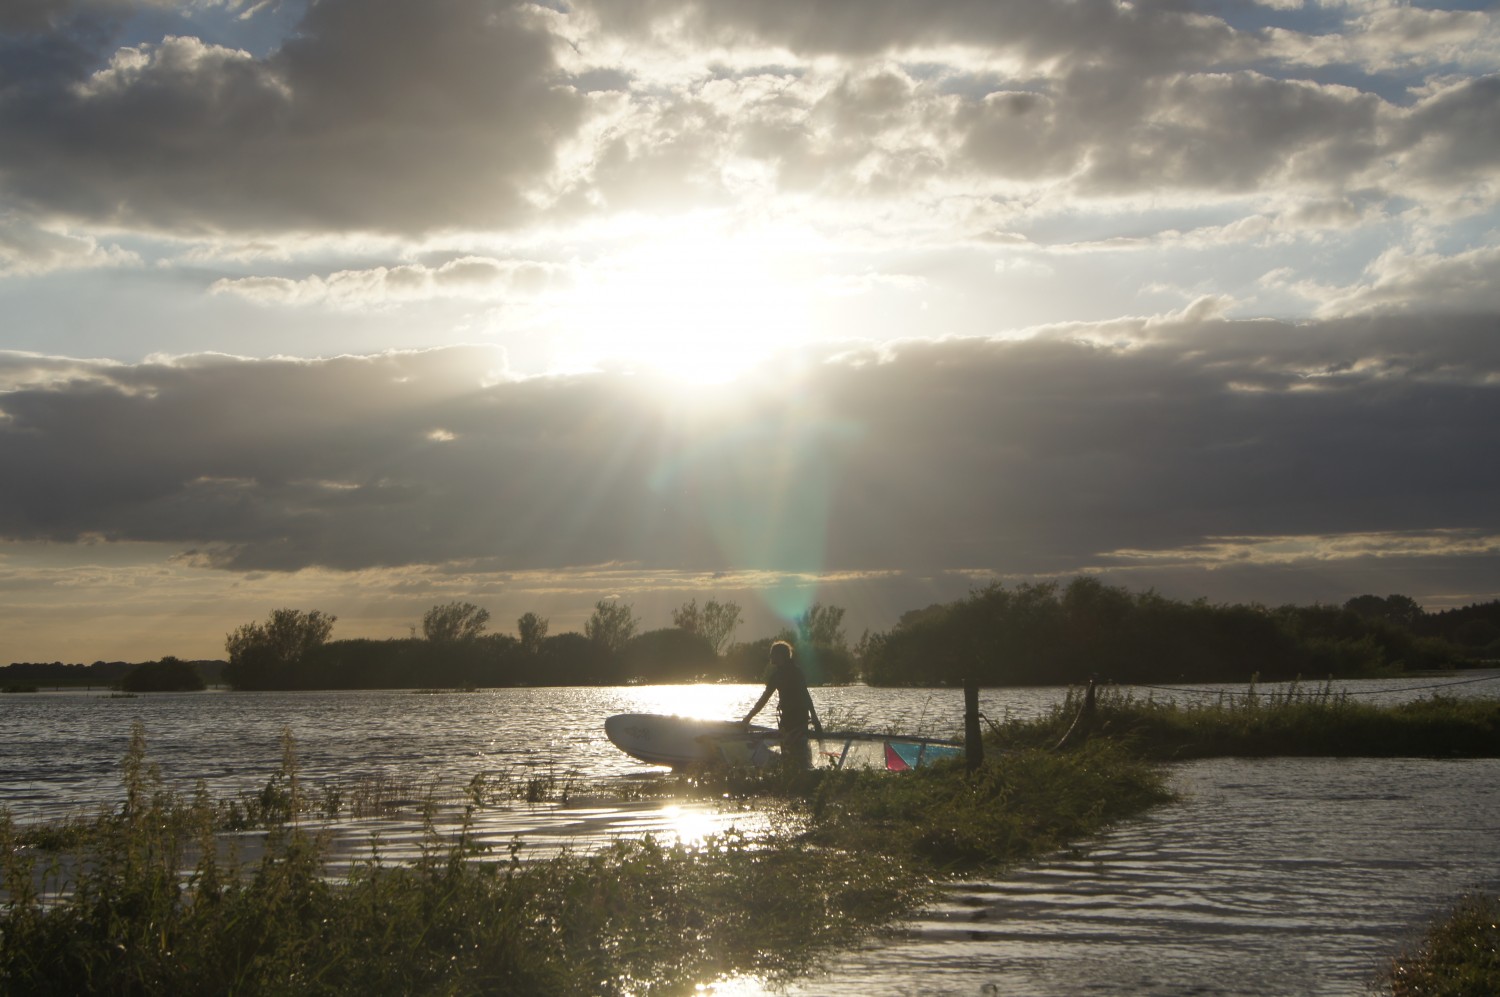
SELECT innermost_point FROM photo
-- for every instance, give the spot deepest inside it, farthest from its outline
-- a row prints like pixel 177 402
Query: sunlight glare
pixel 692 827
pixel 738 985
pixel 701 702
pixel 692 303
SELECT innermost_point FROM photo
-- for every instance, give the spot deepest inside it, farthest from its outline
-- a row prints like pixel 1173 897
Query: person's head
pixel 781 653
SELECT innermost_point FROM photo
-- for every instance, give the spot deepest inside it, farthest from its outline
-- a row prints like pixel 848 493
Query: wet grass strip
pixel 1028 803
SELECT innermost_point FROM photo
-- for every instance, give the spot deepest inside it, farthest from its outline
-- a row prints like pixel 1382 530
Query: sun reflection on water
pixel 732 986
pixel 703 702
pixel 691 826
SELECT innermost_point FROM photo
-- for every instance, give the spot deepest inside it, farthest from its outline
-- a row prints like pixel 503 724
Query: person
pixel 794 704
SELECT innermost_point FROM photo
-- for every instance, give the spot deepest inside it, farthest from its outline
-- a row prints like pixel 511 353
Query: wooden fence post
pixel 1083 723
pixel 973 740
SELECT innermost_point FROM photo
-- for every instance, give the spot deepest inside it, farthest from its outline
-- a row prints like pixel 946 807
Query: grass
pixel 1034 803
pixel 637 918
pixel 147 899
pixel 1460 957
pixel 1295 722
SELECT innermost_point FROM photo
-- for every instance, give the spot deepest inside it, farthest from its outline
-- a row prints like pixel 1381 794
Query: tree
pixel 1401 610
pixel 167 675
pixel 286 635
pixel 689 617
pixel 715 622
pixel 261 653
pixel 533 630
pixel 454 622
pixel 573 659
pixel 822 626
pixel 612 624
pixel 668 655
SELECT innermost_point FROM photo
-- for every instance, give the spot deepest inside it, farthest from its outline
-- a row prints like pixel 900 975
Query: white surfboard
pixel 684 741
pixel 681 742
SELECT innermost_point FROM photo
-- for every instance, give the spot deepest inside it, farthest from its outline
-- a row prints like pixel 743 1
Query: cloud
pixel 876 132
pixel 378 116
pixel 27 249
pixel 1037 455
pixel 1453 136
pixel 474 115
pixel 1148 36
pixel 469 277
pixel 1224 133
pixel 1383 37
pixel 1273 550
pixel 1404 281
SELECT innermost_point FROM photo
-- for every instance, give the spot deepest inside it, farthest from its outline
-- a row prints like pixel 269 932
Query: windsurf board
pixel 680 742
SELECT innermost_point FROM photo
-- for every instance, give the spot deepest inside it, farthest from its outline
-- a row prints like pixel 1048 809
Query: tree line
pixel 109 674
pixel 1042 634
pixel 1046 634
pixel 293 649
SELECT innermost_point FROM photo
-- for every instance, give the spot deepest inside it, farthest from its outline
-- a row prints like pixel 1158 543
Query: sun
pixel 694 303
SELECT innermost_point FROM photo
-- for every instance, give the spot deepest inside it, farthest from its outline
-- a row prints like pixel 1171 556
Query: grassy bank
pixel 1460 957
pixel 637 918
pixel 1298 722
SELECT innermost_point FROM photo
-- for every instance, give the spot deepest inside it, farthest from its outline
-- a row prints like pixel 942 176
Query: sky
pixel 366 306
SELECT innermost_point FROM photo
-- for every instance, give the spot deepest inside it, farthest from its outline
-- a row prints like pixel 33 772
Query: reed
pixel 1294 721
pixel 1460 957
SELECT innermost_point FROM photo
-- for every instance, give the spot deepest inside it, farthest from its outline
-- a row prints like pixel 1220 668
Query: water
pixel 1279 876
pixel 60 752
pixel 1272 877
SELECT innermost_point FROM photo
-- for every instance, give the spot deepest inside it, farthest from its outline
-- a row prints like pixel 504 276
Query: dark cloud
pixel 1018 457
pixel 1154 37
pixel 411 118
pixel 1095 132
pixel 1455 135
pixel 377 115
pixel 1226 132
pixel 1099 98
pixel 1103 133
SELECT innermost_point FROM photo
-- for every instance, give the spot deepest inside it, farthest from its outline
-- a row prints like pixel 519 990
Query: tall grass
pixel 1294 721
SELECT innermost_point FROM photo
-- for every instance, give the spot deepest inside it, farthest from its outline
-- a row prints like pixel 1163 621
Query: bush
pixel 167 675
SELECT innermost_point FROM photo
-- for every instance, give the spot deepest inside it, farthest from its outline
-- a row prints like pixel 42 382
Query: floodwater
pixel 1279 877
pixel 1269 877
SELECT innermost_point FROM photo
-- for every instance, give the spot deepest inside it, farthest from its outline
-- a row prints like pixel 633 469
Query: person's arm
pixel 765 697
pixel 812 711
